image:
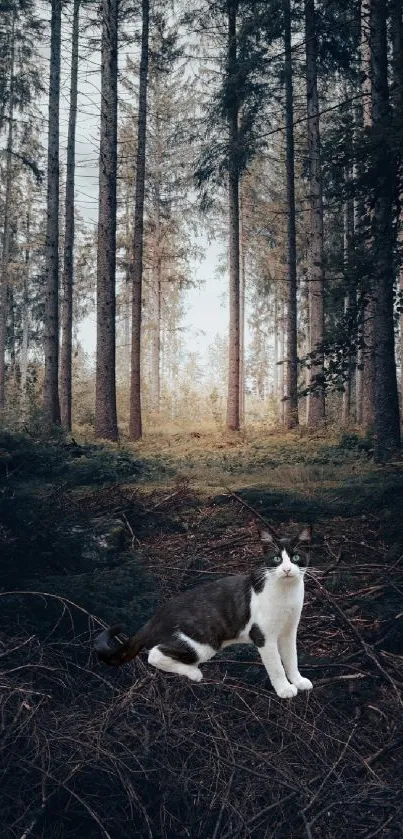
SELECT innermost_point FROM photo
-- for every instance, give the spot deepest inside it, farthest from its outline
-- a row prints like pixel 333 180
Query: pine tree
pixel 105 400
pixel 68 266
pixel 368 304
pixel 7 211
pixel 397 101
pixel 232 107
pixel 387 425
pixel 135 422
pixel 291 394
pixel 316 400
pixel 20 74
pixel 51 339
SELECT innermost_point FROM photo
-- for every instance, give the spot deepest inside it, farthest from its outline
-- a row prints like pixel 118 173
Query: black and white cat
pixel 261 608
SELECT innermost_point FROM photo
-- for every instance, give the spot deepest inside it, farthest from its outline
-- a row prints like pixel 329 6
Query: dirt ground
pixel 89 751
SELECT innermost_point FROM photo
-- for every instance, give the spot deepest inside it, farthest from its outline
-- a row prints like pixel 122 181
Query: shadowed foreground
pixel 86 751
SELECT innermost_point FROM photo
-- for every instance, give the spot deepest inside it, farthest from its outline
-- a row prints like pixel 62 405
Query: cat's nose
pixel 288 572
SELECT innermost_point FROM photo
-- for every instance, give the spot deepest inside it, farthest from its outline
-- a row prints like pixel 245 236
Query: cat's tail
pixel 114 652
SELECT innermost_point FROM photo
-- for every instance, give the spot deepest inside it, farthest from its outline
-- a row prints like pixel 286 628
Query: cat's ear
pixel 268 537
pixel 305 535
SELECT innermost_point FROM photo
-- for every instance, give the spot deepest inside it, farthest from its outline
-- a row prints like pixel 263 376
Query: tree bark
pixel 156 335
pixel 276 371
pixel 105 404
pixel 135 422
pixel 233 413
pixel 356 245
pixel 242 278
pixel 127 290
pixel 51 338
pixel 397 70
pixel 316 399
pixel 348 227
pixel 368 358
pixel 282 337
pixel 68 266
pixel 387 425
pixel 157 273
pixel 7 223
pixel 291 364
pixel 14 373
pixel 25 316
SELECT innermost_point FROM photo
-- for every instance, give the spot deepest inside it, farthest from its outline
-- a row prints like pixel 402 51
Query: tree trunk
pixel 51 338
pixel 316 399
pixel 276 371
pixel 233 418
pixel 282 362
pixel 401 337
pixel 7 224
pixel 242 277
pixel 13 374
pixel 157 274
pixel 156 341
pixel 291 364
pixel 346 402
pixel 68 267
pixel 387 425
pixel 348 227
pixel 368 360
pixel 307 337
pixel 397 67
pixel 127 290
pixel 105 405
pixel 357 243
pixel 135 422
pixel 25 317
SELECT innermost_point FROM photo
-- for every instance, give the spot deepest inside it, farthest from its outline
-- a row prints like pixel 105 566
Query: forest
pixel 201 334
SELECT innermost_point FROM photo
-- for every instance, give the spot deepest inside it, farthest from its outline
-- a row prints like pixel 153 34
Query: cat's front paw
pixel 303 684
pixel 196 675
pixel 287 692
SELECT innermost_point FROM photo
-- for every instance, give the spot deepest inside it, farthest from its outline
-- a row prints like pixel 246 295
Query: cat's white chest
pixel 277 608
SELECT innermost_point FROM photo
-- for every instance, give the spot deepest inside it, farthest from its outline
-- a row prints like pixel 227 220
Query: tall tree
pixel 348 230
pixel 233 400
pixel 25 311
pixel 51 338
pixel 396 12
pixel 387 425
pixel 316 398
pixel 135 421
pixel 242 300
pixel 367 302
pixel 7 212
pixel 168 209
pixel 105 396
pixel 68 265
pixel 291 362
pixel 359 381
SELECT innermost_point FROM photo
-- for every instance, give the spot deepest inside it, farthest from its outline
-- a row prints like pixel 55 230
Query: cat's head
pixel 287 558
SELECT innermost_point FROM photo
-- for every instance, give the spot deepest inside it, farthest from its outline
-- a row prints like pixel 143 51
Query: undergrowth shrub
pixel 352 441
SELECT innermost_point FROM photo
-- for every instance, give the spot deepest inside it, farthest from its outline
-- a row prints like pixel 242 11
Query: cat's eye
pixel 296 558
pixel 277 560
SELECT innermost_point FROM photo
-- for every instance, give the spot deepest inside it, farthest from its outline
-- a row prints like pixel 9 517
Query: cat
pixel 261 608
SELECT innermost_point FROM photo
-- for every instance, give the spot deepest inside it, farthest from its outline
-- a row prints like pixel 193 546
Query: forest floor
pixel 102 534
